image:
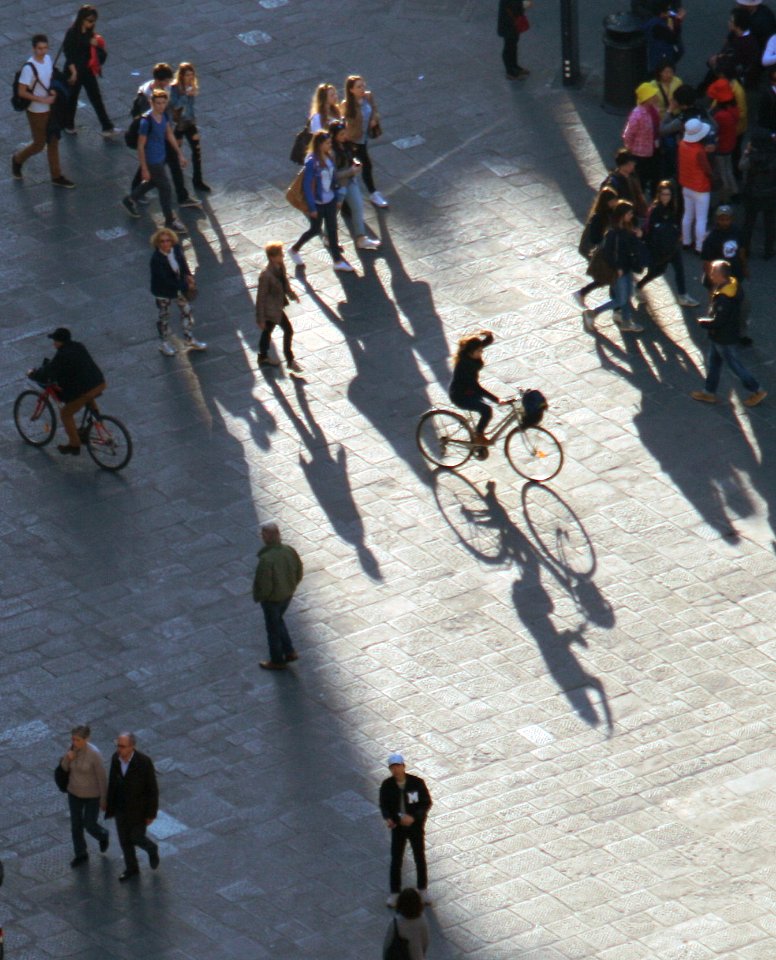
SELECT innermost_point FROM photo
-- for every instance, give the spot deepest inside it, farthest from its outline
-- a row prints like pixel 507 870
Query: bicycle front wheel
pixel 534 453
pixel 109 443
pixel 35 418
pixel 444 438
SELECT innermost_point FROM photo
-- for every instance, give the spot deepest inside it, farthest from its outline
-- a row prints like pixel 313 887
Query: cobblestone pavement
pixel 582 672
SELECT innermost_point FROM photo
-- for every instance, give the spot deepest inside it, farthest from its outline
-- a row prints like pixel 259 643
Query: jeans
pixel 696 210
pixel 173 162
pixel 657 270
pixel 361 153
pixel 619 297
pixel 83 816
pixel 355 199
pixel 88 81
pixel 159 180
pixel 266 335
pixel 131 835
pixel 40 140
pixel 478 405
pixel 279 641
pixel 327 215
pixel 399 837
pixel 720 353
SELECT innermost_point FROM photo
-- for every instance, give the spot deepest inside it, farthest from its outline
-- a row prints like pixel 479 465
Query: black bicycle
pixel 106 438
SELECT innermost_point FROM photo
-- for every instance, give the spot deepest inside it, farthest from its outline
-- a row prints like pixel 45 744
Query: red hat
pixel 720 90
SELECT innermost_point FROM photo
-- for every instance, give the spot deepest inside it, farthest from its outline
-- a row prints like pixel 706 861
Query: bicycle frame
pixel 510 418
pixel 51 391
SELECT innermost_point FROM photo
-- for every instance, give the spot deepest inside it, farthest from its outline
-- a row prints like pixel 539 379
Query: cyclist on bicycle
pixel 465 390
pixel 79 379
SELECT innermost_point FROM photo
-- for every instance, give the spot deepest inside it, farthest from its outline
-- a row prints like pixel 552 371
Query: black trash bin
pixel 625 61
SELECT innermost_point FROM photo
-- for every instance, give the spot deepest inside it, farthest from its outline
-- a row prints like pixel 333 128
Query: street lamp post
pixel 569 31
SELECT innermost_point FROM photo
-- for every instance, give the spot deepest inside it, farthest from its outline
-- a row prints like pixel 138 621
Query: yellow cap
pixel 644 92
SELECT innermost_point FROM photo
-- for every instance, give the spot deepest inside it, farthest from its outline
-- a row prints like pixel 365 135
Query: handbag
pixel 599 268
pixel 521 23
pixel 375 131
pixel 295 194
pixel 398 948
pixel 97 56
pixel 191 292
pixel 61 777
pixel 301 143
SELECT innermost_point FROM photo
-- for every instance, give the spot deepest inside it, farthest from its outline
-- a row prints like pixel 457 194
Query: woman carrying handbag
pixel 362 124
pixel 84 56
pixel 172 280
pixel 512 21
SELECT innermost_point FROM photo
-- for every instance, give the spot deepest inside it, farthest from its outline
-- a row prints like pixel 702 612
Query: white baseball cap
pixel 395 758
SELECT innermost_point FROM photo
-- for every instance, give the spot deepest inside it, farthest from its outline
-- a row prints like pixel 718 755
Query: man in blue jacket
pixel 404 805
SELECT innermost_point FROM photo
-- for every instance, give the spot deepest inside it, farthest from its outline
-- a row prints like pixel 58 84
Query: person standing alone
pixel 511 23
pixel 133 799
pixel 404 805
pixel 278 574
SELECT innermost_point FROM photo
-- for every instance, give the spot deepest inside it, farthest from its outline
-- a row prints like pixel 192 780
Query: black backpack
pixel 534 405
pixel 140 105
pixel 133 131
pixel 19 103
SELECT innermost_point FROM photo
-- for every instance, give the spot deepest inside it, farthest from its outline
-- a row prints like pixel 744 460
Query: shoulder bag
pixel 398 948
pixel 61 777
pixel 295 194
pixel 301 143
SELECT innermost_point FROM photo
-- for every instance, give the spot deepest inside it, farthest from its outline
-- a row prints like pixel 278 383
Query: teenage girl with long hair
pixel 621 253
pixel 362 120
pixel 324 107
pixel 598 222
pixel 466 390
pixel 184 91
pixel 663 233
pixel 84 55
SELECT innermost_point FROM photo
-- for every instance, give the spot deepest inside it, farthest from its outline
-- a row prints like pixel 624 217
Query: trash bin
pixel 625 61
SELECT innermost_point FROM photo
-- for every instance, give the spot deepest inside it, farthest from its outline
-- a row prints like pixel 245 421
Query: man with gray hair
pixel 277 576
pixel 133 799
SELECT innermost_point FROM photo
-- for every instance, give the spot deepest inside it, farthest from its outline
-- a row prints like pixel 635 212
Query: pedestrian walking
pixel 278 574
pixel 695 180
pixel 599 219
pixel 272 296
pixel 363 124
pixel 133 800
pixel 348 170
pixel 511 23
pixel 723 326
pixel 35 81
pixel 404 805
pixel 172 280
pixel 663 235
pixel 184 91
pixel 87 792
pixel 641 135
pixel 324 107
pixel 85 53
pixel 724 111
pixel 409 925
pixel 154 137
pixel 759 169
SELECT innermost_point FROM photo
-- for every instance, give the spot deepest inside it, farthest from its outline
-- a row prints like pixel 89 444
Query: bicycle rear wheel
pixel 444 438
pixel 534 453
pixel 109 443
pixel 35 417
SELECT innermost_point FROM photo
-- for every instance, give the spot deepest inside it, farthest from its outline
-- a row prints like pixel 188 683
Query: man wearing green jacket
pixel 278 574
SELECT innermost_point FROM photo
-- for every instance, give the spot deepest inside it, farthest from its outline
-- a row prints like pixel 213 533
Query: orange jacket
pixel 694 167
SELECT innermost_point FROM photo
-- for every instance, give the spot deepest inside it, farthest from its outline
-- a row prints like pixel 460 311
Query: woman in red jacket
pixel 726 116
pixel 695 181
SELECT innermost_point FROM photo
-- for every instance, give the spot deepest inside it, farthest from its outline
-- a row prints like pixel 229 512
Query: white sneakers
pixel 296 257
pixel 367 243
pixel 344 267
pixel 685 300
pixel 167 348
pixel 378 199
pixel 193 344
pixel 295 366
pixel 392 900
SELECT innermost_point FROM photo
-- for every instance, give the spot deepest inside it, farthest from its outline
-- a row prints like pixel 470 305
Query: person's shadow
pixel 533 603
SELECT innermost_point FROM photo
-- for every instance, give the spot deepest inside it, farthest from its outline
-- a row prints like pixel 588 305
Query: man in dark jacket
pixel 723 326
pixel 278 573
pixel 133 799
pixel 404 805
pixel 759 169
pixel 508 29
pixel 80 381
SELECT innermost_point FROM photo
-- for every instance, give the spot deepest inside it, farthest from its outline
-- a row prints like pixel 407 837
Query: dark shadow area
pixel 484 526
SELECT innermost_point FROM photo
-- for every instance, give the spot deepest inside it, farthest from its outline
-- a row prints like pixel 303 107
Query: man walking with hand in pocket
pixel 404 805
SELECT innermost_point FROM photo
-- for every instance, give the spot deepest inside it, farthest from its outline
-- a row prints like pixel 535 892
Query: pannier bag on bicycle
pixel 534 405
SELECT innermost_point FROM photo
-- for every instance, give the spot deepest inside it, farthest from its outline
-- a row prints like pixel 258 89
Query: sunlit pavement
pixel 582 672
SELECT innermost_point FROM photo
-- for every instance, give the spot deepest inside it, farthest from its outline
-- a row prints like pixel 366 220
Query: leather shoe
pixel 271 665
pixel 290 657
pixel 127 875
pixel 81 858
pixel 68 448
pixel 153 859
pixel 105 842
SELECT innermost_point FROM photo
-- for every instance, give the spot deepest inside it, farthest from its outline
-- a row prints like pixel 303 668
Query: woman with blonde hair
pixel 362 122
pixel 324 107
pixel 171 279
pixel 184 91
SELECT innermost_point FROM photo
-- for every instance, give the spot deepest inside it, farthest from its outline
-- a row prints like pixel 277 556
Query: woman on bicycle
pixel 465 390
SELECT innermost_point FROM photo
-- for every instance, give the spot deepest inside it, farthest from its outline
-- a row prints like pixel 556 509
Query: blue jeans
pixel 355 200
pixel 727 353
pixel 280 645
pixel 83 816
pixel 619 297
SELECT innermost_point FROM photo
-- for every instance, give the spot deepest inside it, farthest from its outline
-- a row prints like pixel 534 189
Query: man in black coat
pixel 404 805
pixel 133 799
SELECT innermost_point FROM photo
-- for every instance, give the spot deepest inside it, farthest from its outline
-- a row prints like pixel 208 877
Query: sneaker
pixel 193 344
pixel 343 266
pixel 684 300
pixel 754 398
pixel 144 200
pixel 367 243
pixel 378 199
pixel 631 328
pixel 104 842
pixel 522 73
pixel 177 226
pixel 297 368
pixel 71 130
pixel 110 134
pixel 271 665
pixel 16 169
pixel 425 897
pixel 296 257
pixel 167 348
pixel 704 397
pixel 63 182
pixel 588 320
pixel 129 205
pixel 639 296
pixel 201 185
pixel 267 362
pixel 78 860
pixel 67 448
pixel 579 298
pixel 292 657
pixel 392 900
pixel 189 202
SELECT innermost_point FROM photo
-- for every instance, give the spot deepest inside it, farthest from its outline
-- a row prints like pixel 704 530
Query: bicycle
pixel 106 438
pixel 446 439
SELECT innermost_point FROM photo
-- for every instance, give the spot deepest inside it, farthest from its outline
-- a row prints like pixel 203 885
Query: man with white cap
pixel 404 805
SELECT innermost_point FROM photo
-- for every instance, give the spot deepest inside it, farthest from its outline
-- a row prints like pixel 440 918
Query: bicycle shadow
pixel 485 528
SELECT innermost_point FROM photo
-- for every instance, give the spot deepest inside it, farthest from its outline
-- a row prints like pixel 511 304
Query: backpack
pixel 534 405
pixel 19 103
pixel 398 948
pixel 140 105
pixel 132 132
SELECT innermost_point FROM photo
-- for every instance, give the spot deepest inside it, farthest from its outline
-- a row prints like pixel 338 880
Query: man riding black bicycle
pixel 79 379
